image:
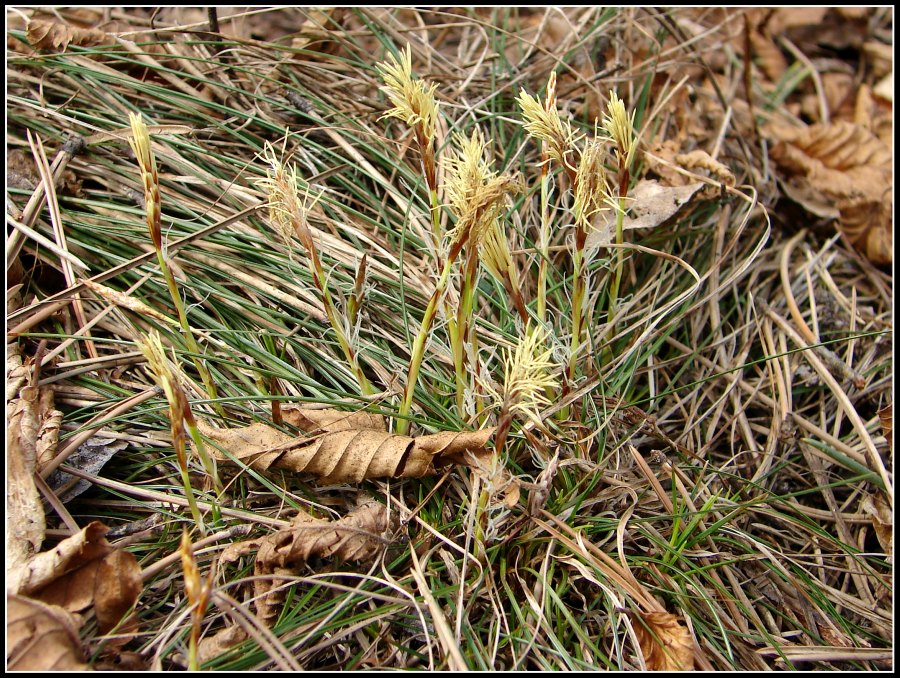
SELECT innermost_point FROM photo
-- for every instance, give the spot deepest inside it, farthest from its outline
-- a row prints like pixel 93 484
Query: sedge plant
pixel 198 596
pixel 475 195
pixel 529 382
pixel 166 375
pixel 414 103
pixel 140 145
pixel 620 128
pixel 289 215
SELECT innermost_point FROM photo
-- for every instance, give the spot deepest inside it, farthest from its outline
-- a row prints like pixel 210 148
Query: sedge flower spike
pixel 528 375
pixel 591 193
pixel 543 123
pixel 413 100
pixel 140 146
pixel 620 127
pixel 475 193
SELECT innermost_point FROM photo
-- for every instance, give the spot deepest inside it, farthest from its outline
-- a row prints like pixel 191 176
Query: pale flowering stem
pixel 418 347
pixel 464 329
pixel 578 292
pixel 544 241
pixel 616 281
pixel 334 318
pixel 140 144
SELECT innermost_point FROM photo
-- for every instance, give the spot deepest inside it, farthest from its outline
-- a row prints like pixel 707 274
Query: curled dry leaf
pixel 41 637
pixel 356 537
pixel 849 167
pixel 84 570
pixel 342 447
pixel 55 36
pixel 211 647
pixel 702 160
pixel 665 643
pixel 32 428
pixel 886 416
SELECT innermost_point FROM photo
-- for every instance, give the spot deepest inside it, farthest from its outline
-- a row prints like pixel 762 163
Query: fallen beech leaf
pixel 357 536
pixel 343 447
pixel 70 554
pixel 52 35
pixel 112 584
pixel 26 417
pixel 651 204
pixel 849 167
pixel 665 643
pixel 85 570
pixel 225 639
pixel 41 637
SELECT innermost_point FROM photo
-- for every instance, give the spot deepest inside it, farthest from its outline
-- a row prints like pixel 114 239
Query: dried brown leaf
pixel 886 416
pixel 665 643
pixel 85 570
pixel 651 204
pixel 343 447
pixel 356 537
pixel 32 427
pixel 212 646
pixel 882 521
pixel 55 36
pixel 41 637
pixel 849 167
pixel 71 553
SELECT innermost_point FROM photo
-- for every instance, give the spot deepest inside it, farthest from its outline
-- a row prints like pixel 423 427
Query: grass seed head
pixel 288 211
pixel 413 101
pixel 474 191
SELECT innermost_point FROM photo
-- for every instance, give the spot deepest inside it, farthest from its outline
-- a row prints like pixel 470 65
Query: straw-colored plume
pixel 528 375
pixel 288 212
pixel 475 192
pixel 620 127
pixel 163 370
pixel 140 145
pixel 413 100
pixel 544 124
pixel 591 190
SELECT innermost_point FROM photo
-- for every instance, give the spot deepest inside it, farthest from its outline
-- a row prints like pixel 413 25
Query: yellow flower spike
pixel 495 252
pixel 140 145
pixel 413 100
pixel 528 375
pixel 544 124
pixel 160 366
pixel 591 190
pixel 288 212
pixel 474 191
pixel 620 127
